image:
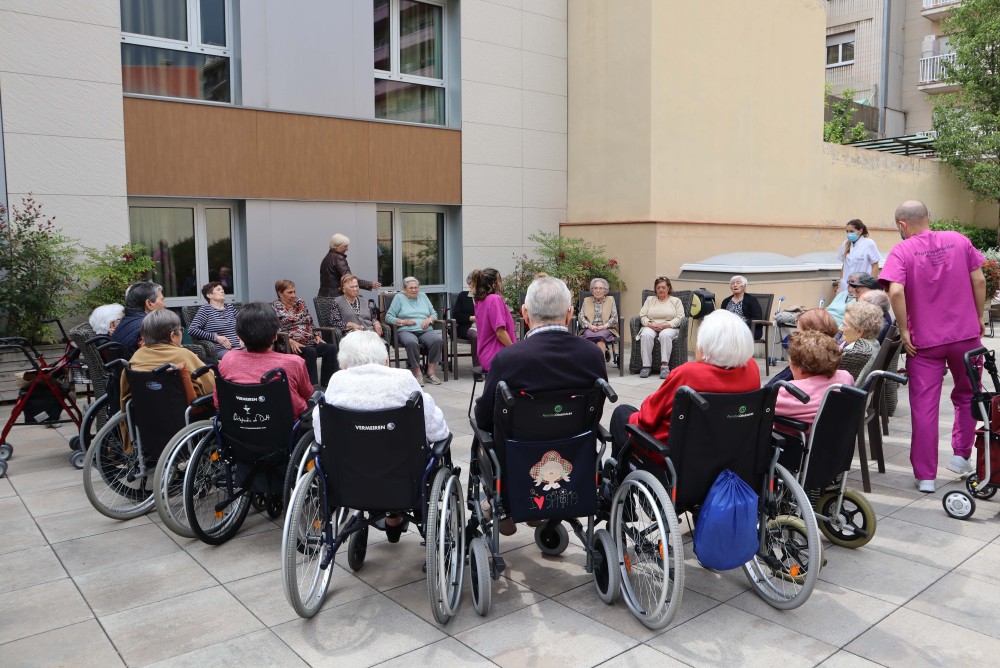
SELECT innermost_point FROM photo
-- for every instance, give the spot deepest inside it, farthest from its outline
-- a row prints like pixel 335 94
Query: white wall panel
pixel 50 106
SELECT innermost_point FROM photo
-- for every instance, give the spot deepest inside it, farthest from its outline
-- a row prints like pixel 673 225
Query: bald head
pixel 912 218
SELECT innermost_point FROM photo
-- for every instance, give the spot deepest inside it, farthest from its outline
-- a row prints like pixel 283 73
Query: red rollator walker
pixel 983 482
pixel 47 394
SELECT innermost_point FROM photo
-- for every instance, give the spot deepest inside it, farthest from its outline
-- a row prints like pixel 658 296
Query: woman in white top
pixel 859 253
pixel 660 316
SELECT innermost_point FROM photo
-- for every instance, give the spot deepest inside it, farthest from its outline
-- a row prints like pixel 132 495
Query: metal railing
pixel 931 4
pixel 932 68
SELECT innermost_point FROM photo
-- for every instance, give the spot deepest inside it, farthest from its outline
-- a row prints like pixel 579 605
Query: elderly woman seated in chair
pixel 366 382
pixel 862 324
pixel 414 315
pixel 598 317
pixel 661 315
pixel 814 360
pixel 723 363
pixel 350 312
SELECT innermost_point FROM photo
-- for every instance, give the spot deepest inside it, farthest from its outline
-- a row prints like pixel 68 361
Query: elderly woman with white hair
pixel 334 267
pixel 723 362
pixel 105 318
pixel 366 382
pixel 414 315
pixel 598 318
pixel 747 308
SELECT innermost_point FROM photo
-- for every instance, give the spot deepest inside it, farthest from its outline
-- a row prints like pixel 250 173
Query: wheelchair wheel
pixel 111 474
pixel 479 570
pixel 357 548
pixel 296 466
pixel 91 423
pixel 444 534
pixel 785 569
pixel 76 459
pixel 959 505
pixel 855 513
pixel 552 538
pixel 648 548
pixel 607 579
pixel 305 549
pixel 977 490
pixel 206 487
pixel 168 479
pixel 74 443
pixel 6 452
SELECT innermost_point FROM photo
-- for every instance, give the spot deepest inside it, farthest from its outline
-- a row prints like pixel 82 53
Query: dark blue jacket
pixel 128 330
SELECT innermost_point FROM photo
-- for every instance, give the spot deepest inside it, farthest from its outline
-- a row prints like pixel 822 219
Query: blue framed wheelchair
pixel 540 465
pixel 371 465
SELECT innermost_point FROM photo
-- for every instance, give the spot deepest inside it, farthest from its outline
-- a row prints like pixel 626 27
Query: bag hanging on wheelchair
pixel 725 535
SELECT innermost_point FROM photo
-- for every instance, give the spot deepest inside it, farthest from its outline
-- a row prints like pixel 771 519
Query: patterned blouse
pixel 737 308
pixel 296 321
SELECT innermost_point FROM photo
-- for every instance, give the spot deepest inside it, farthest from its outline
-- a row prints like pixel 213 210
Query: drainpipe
pixel 886 10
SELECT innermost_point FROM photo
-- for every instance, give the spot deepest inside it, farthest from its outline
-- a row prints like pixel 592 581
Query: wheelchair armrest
pixel 203 400
pixel 481 435
pixel 647 440
pixel 603 434
pixel 791 423
pixel 441 447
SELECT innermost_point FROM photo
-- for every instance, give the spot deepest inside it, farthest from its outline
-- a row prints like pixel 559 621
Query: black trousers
pixel 326 351
pixel 619 418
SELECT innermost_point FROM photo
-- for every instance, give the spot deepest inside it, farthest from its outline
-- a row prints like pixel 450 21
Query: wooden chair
pixel 679 354
pixel 765 301
pixel 874 408
pixel 385 300
pixel 616 346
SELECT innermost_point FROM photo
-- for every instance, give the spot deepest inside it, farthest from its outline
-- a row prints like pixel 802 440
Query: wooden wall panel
pixel 192 150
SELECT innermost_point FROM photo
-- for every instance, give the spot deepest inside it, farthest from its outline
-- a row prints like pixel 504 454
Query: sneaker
pixel 420 378
pixel 433 380
pixel 645 372
pixel 925 486
pixel 960 465
pixel 664 371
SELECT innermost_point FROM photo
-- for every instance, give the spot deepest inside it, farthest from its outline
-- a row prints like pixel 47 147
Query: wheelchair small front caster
pixel 76 459
pixel 959 505
pixel 552 538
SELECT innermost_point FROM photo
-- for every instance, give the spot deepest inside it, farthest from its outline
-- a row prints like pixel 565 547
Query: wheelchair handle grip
pixel 201 371
pixel 794 391
pixel 272 374
pixel 696 398
pixel 607 389
pixel 165 367
pixel 110 366
pixel 505 394
pixel 93 341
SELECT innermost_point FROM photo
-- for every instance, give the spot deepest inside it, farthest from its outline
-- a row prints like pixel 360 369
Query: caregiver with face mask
pixel 859 254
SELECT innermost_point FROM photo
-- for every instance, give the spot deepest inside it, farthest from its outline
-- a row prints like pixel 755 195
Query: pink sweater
pixel 815 387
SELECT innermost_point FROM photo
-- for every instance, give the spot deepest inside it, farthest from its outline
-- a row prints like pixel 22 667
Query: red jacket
pixel 654 414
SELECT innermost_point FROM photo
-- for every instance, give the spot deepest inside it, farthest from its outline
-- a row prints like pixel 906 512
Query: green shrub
pixel 110 271
pixel 980 237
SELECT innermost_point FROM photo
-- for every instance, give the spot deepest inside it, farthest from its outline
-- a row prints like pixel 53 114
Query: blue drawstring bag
pixel 725 535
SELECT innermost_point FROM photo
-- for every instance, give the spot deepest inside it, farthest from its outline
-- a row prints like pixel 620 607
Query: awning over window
pixel 912 145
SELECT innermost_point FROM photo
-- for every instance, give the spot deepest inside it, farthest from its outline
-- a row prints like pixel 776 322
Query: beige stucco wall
pixel 730 162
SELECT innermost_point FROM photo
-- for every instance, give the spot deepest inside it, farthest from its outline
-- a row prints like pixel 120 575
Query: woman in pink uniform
pixel 493 319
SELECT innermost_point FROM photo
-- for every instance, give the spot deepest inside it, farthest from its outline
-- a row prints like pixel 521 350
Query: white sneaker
pixel 960 465
pixel 925 486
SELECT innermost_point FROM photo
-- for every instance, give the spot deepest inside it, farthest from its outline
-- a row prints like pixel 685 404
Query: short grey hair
pixel 103 316
pixel 742 279
pixel 865 317
pixel 410 279
pixel 877 297
pixel 548 301
pixel 598 281
pixel 158 325
pixel 361 347
pixel 724 340
pixel 338 240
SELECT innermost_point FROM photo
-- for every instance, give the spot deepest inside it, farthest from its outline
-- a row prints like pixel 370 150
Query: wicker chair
pixel 857 358
pixel 324 316
pixel 679 354
pixel 616 345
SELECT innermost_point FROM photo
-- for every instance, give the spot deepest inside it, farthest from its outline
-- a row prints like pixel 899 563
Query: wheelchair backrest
pixel 159 399
pixel 374 460
pixel 734 433
pixel 256 421
pixel 833 433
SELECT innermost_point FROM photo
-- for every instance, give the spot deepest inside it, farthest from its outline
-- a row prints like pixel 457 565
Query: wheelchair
pixel 100 352
pixel 119 464
pixel 372 464
pixel 649 483
pixel 540 464
pixel 241 459
pixel 820 455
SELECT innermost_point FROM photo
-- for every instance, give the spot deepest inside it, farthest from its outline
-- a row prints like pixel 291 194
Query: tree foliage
pixel 110 271
pixel 981 238
pixel 841 128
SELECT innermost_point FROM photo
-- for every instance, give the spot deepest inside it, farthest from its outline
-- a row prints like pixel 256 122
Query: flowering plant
pixel 991 269
pixel 110 271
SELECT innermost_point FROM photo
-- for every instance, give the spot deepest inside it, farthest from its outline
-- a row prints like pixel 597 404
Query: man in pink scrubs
pixel 937 289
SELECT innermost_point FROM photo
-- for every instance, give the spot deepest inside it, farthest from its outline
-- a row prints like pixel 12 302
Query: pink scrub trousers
pixel 926 371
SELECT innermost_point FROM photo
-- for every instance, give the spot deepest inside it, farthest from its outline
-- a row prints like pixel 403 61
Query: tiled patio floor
pixel 79 589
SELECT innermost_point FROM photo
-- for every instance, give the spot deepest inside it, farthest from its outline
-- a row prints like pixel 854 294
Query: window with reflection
pixel 409 61
pixel 386 275
pixel 177 48
pixel 412 242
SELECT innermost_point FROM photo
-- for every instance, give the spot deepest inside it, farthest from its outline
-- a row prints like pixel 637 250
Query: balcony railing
pixel 932 4
pixel 932 68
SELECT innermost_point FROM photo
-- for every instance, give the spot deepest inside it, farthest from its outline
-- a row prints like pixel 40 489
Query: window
pixel 411 242
pixel 190 243
pixel 840 49
pixel 177 48
pixel 409 61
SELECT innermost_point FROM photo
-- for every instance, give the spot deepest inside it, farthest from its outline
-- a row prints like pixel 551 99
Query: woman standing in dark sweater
pixel 465 317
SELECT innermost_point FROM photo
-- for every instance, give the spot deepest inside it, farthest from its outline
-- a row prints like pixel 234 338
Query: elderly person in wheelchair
pixel 162 332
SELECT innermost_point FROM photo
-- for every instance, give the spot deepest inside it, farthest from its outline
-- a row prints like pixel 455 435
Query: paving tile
pixel 81 645
pixel 909 639
pixel 983 526
pixel 255 523
pixel 144 581
pixel 389 565
pixel 547 633
pixel 747 641
pixel 261 648
pixel 82 523
pixel 887 500
pixel 43 472
pixel 12 508
pixel 547 575
pixel 362 633
pixel 447 652
pixel 264 594
pixel 57 501
pixel 984 565
pixel 961 600
pixel 44 607
pixel 27 568
pixel 242 556
pixel 883 576
pixel 161 630
pixel 6 489
pixel 128 546
pixel 844 659
pixel 642 656
pixel 20 534
pixel 720 586
pixel 922 544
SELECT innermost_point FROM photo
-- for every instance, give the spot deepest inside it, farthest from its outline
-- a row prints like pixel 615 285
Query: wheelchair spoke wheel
pixel 648 548
pixel 93 420
pixel 444 534
pixel 307 565
pixel 113 478
pixel 855 514
pixel 607 578
pixel 168 480
pixel 785 569
pixel 297 464
pixel 206 493
pixel 479 572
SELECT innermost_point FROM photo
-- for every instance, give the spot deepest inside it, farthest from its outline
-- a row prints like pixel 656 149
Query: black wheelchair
pixel 99 352
pixel 119 465
pixel 242 461
pixel 649 483
pixel 371 465
pixel 541 465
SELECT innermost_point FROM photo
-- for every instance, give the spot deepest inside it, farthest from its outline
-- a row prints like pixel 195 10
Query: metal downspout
pixel 884 86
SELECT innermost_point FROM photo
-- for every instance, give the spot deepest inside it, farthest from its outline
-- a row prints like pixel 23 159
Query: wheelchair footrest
pixel 499 566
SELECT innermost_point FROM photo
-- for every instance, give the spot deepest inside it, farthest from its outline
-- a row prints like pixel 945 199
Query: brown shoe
pixel 535 523
pixel 507 527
